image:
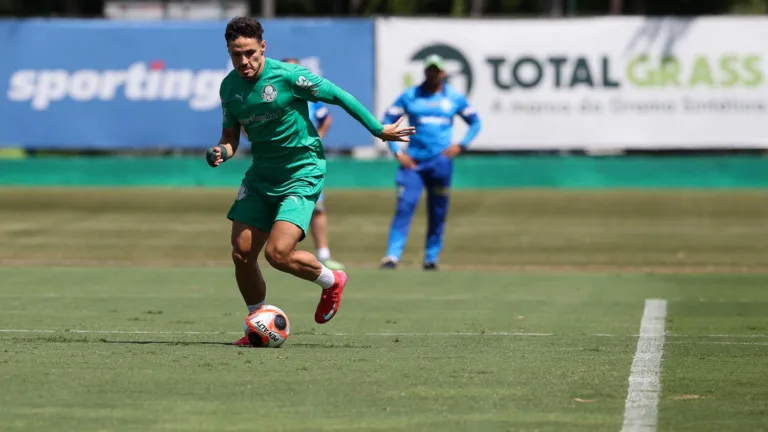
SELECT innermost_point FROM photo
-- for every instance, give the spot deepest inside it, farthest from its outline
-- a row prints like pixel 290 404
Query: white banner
pixel 604 83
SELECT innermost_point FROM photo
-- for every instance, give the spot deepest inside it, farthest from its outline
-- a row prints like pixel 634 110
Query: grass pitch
pixel 117 308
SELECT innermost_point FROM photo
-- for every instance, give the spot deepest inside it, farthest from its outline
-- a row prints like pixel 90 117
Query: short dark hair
pixel 290 60
pixel 246 27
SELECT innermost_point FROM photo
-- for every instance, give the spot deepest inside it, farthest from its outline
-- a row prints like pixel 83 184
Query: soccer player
pixel 278 193
pixel 318 225
pixel 428 161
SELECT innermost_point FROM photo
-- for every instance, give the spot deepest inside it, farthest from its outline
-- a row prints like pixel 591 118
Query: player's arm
pixel 308 86
pixel 469 115
pixel 324 120
pixel 229 141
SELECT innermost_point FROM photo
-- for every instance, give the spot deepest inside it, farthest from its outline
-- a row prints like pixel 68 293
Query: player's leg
pixel 409 188
pixel 318 227
pixel 251 215
pixel 291 223
pixel 281 252
pixel 438 184
pixel 247 243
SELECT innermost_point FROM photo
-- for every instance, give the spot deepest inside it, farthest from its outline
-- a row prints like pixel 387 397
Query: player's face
pixel 433 75
pixel 247 56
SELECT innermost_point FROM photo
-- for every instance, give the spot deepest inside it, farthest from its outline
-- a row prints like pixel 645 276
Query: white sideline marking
pixel 127 332
pixel 444 334
pixel 641 408
pixel 502 334
pixel 140 332
pixel 722 343
pixel 735 336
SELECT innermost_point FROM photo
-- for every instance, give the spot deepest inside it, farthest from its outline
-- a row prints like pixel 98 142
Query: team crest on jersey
pixel 241 193
pixel 269 93
pixel 446 105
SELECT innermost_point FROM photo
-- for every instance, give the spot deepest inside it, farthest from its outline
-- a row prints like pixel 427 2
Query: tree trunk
pixel 354 6
pixel 268 8
pixel 476 8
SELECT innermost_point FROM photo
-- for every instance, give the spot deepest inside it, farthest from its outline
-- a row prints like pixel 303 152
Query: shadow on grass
pixel 148 342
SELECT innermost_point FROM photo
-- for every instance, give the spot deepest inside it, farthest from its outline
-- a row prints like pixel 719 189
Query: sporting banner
pixel 599 84
pixel 129 84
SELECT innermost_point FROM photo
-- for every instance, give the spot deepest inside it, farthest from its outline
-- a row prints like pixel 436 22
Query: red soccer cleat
pixel 331 299
pixel 242 342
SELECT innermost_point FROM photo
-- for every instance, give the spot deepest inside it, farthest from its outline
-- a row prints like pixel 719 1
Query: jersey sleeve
pixel 469 115
pixel 228 121
pixel 466 111
pixel 308 86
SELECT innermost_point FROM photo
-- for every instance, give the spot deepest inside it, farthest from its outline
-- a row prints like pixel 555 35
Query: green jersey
pixel 274 112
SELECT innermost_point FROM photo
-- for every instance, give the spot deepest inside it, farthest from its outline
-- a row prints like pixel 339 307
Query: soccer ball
pixel 267 327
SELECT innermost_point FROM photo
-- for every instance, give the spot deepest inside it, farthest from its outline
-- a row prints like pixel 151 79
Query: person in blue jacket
pixel 428 160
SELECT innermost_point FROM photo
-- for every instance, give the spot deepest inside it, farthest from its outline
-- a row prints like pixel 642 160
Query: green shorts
pixel 260 205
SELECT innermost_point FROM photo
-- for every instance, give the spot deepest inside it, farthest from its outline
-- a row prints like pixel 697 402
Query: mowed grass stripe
pixel 687 231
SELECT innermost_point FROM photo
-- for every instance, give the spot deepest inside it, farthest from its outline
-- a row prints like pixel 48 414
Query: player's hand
pixel 213 156
pixel 452 151
pixel 406 161
pixel 393 132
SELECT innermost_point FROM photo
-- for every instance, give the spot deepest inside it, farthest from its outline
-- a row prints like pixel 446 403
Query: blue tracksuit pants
pixel 434 175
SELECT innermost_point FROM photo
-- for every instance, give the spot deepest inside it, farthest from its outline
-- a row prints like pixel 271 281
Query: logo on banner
pixel 138 82
pixel 458 69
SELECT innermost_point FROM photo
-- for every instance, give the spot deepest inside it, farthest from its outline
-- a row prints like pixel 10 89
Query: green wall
pixel 470 172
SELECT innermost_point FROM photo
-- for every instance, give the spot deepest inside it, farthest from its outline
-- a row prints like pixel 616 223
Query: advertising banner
pixel 128 84
pixel 601 84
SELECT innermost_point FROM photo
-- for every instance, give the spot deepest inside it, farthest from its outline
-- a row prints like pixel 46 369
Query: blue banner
pixel 123 84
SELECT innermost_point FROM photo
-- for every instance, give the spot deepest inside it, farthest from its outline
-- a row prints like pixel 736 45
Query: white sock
pixel 323 254
pixel 252 308
pixel 326 279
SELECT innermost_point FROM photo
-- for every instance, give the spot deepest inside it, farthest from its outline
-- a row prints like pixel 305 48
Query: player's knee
pixel 440 191
pixel 242 257
pixel 242 253
pixel 407 205
pixel 278 256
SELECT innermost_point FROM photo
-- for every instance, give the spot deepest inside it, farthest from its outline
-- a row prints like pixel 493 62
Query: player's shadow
pixel 229 344
pixel 146 342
